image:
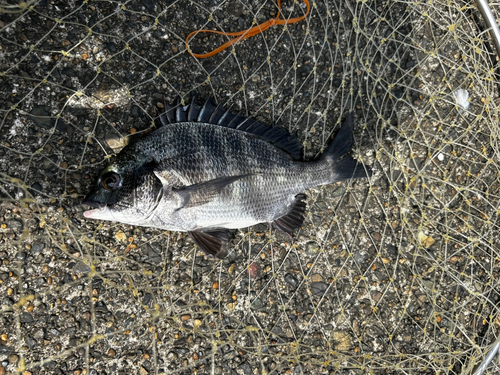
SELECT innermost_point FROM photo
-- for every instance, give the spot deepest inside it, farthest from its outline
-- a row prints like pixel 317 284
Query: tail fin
pixel 344 166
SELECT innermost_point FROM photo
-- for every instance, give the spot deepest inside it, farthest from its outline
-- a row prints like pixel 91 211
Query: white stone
pixel 462 98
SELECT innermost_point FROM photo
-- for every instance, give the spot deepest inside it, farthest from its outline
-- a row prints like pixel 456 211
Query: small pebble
pixel 319 288
pixel 81 267
pixel 21 255
pixel 316 278
pixel 37 247
pixel 321 205
pixel 111 47
pixel 37 186
pixel 171 356
pixel 39 334
pixel 15 224
pixel 342 340
pixel 253 270
pixel 40 115
pixel 376 295
pixel 120 236
pixel 135 111
pixel 312 248
pixel 257 304
pixel 338 192
pixel 115 141
pixel 26 317
pixel 291 280
pixel 246 368
pixel 462 98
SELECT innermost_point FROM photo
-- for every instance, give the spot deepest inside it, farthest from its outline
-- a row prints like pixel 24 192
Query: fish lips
pixel 93 204
pixel 95 201
pixel 97 207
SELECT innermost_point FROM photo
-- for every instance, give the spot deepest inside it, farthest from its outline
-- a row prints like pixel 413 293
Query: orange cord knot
pixel 244 34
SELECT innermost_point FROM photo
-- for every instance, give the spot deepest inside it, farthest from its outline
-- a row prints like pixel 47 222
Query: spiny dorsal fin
pixel 211 114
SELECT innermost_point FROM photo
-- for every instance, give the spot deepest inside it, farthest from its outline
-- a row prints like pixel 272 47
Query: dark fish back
pixel 206 151
pixel 210 114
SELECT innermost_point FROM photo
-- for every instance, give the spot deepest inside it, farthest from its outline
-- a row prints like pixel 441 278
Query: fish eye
pixel 111 181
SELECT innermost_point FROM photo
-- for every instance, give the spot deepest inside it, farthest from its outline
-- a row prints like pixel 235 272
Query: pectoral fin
pixel 198 194
pixel 212 242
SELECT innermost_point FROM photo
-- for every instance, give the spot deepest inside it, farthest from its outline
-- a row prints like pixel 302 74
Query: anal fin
pixel 212 242
pixel 294 218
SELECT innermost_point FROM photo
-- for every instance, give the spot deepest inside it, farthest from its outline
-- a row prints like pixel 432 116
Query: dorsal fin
pixel 211 114
pixel 167 116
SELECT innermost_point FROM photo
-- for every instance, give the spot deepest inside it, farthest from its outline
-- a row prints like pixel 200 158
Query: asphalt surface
pixel 395 274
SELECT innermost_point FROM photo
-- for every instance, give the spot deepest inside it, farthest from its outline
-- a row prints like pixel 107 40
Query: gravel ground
pixel 396 274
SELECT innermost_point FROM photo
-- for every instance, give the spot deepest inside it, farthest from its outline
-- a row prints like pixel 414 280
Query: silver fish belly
pixel 205 170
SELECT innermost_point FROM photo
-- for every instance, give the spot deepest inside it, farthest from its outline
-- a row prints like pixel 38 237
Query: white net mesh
pixel 395 274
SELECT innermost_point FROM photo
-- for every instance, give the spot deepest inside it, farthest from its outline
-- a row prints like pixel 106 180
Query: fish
pixel 205 170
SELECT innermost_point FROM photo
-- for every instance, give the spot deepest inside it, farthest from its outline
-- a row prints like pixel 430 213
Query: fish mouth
pixel 94 204
pixel 97 207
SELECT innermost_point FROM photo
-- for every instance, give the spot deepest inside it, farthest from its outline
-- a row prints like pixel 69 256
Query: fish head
pixel 125 191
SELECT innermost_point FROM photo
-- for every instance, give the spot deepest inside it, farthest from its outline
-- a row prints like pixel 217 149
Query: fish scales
pixel 206 178
pixel 274 181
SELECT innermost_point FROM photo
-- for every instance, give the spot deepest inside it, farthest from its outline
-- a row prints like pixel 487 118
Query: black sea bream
pixel 205 170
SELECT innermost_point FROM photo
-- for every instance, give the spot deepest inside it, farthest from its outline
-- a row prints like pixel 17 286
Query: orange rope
pixel 245 34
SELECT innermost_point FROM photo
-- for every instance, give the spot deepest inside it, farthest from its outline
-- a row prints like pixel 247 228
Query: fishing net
pixel 393 274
